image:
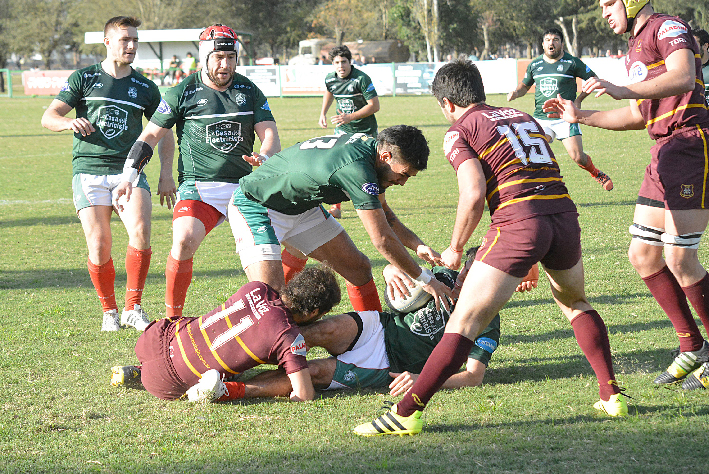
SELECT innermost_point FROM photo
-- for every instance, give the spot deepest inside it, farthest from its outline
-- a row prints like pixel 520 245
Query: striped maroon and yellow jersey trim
pixel 180 344
pixel 529 198
pixel 497 237
pixel 671 113
pixel 248 351
pixel 209 342
pixel 706 166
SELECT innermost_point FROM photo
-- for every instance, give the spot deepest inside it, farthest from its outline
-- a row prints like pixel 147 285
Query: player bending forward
pixel 189 356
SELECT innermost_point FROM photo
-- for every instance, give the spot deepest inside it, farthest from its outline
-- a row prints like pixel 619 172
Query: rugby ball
pixel 417 299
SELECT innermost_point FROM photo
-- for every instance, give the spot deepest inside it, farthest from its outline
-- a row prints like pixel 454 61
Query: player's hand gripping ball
pixel 417 299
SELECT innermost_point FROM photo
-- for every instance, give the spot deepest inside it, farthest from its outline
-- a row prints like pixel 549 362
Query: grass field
pixel 533 414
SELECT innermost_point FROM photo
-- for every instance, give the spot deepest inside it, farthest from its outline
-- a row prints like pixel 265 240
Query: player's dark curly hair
pixel 406 143
pixel 342 50
pixel 314 288
pixel 553 31
pixel 121 22
pixel 460 82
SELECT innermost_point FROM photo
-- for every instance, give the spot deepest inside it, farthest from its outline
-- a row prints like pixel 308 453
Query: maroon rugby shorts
pixel 676 178
pixel 157 372
pixel 553 239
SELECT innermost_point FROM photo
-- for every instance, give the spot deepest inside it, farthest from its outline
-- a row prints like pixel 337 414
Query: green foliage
pixel 533 414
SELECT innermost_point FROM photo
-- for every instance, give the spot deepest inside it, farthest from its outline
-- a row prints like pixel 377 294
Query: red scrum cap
pixel 216 38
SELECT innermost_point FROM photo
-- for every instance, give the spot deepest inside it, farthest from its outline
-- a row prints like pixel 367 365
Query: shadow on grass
pixel 77 277
pixel 69 219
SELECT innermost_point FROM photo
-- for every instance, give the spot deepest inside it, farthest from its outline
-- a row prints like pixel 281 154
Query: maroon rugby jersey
pixel 660 36
pixel 521 173
pixel 252 327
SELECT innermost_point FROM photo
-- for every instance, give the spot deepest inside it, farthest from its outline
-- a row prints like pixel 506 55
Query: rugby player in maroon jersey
pixel 501 156
pixel 191 356
pixel 666 95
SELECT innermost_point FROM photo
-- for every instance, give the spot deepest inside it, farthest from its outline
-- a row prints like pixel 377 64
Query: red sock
pixel 447 358
pixel 592 337
pixel 669 295
pixel 365 297
pixel 590 167
pixel 178 276
pixel 137 265
pixel 103 277
pixel 698 295
pixel 234 391
pixel 291 264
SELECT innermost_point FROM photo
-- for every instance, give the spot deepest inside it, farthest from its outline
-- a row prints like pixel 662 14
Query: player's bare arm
pixel 408 237
pixel 626 118
pixel 678 79
pixel 327 99
pixel 471 205
pixel 521 90
pixel 335 334
pixel 166 183
pixel 371 108
pixel 270 143
pixel 55 119
pixel 267 133
pixel 146 142
pixel 302 386
pixel 388 244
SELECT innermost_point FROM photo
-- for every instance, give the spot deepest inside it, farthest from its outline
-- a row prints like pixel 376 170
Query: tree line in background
pixel 432 29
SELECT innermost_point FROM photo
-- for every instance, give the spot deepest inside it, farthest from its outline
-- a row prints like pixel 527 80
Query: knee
pixel 642 256
pixel 682 264
pixel 184 245
pixel 139 235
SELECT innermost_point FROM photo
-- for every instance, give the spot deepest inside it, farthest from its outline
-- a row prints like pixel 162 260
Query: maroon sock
pixel 669 295
pixel 698 295
pixel 592 337
pixel 446 359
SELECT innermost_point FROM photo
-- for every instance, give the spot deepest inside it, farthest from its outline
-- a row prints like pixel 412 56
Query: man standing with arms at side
pixel 552 73
pixel 356 97
pixel 218 113
pixel 111 99
pixel 501 156
pixel 667 98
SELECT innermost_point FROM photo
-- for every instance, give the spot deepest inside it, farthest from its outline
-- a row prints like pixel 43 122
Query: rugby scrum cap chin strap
pixel 632 7
pixel 216 38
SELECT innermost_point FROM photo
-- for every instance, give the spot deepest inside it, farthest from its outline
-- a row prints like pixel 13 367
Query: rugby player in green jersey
pixel 217 114
pixel 111 99
pixel 552 73
pixel 356 97
pixel 281 202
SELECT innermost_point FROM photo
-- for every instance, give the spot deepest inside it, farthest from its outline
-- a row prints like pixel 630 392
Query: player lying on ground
pixel 181 356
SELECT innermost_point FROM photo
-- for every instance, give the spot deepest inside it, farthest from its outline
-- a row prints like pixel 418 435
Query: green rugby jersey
pixel 705 78
pixel 409 338
pixel 214 128
pixel 327 169
pixel 116 108
pixel 554 78
pixel 351 94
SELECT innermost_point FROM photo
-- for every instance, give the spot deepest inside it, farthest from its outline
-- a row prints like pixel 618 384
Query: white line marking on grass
pixel 5 202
